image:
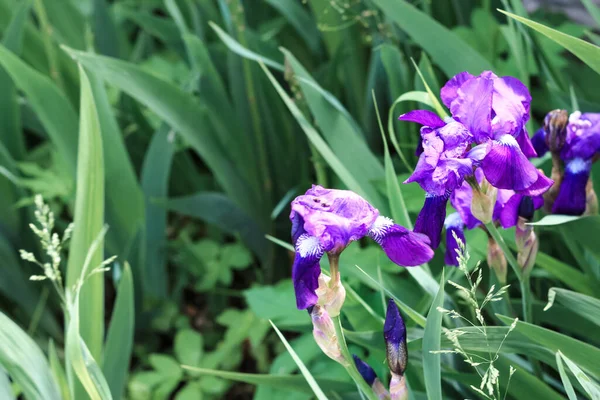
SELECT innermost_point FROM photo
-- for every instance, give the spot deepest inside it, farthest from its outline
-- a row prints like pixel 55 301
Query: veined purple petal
pixel 423 117
pixel 450 89
pixel 402 246
pixel 571 198
pixel 335 217
pixel 431 218
pixel 510 211
pixel 365 370
pixel 394 334
pixel 297 226
pixel 506 167
pixel 526 145
pixel 454 226
pixel 473 107
pixel 306 270
pixel 541 186
pixel 583 136
pixel 511 101
pixel 461 200
pixel 539 142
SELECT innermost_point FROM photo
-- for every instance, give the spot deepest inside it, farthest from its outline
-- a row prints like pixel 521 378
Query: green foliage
pixel 174 134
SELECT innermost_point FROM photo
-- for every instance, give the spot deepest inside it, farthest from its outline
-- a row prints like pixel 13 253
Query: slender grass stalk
pixel 350 367
pixel 46 27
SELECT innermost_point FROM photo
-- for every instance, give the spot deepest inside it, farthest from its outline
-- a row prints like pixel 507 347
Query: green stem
pixel 507 253
pixel 350 367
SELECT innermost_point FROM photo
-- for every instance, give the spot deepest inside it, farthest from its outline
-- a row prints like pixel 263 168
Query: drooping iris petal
pixel 571 199
pixel 473 107
pixel 541 185
pixel 423 117
pixel 335 217
pixel 365 370
pixel 454 227
pixel 539 142
pixel 401 245
pixel 431 218
pixel 306 270
pixel 450 89
pixel 297 226
pixel 394 334
pixel 510 104
pixel 505 166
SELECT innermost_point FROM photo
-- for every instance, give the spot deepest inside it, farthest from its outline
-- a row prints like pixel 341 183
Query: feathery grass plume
pixel 489 388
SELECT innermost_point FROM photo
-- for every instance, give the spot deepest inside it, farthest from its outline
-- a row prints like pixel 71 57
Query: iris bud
pixel 394 333
pixel 398 389
pixel 324 334
pixel 331 295
pixel 484 200
pixel 496 260
pixel 526 208
pixel 555 125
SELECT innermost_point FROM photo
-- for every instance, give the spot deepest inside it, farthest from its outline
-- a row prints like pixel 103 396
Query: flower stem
pixel 350 367
pixel 334 269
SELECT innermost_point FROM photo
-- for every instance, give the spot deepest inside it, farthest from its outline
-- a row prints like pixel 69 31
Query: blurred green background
pixel 189 128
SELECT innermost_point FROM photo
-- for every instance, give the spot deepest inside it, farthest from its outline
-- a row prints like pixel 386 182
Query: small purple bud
pixel 394 333
pixel 527 245
pixel 526 208
pixel 365 370
pixel 555 126
pixel 496 260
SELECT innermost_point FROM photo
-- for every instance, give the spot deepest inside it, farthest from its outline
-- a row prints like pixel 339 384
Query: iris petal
pixel 506 167
pixel 526 145
pixel 402 246
pixel 450 89
pixel 571 199
pixel 539 142
pixel 454 226
pixel 306 270
pixel 423 117
pixel 431 218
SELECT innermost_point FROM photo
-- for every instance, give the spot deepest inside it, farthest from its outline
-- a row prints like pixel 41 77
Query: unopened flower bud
pixel 484 200
pixel 496 260
pixel 527 245
pixel 526 208
pixel 394 333
pixel 331 295
pixel 555 125
pixel 398 389
pixel 591 200
pixel 324 334
pixel 370 377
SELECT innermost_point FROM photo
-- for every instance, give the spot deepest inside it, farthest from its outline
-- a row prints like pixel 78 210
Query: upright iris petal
pixel 328 220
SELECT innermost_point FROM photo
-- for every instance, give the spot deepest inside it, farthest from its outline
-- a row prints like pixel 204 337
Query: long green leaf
pixel 88 221
pixel 119 341
pixel 6 391
pixel 431 343
pixel 591 387
pixel 447 49
pixel 305 372
pixel 585 51
pixel 290 382
pixel 58 371
pixel 21 357
pixel 181 111
pixel 585 355
pixel 50 104
pixel 586 306
pixel 564 377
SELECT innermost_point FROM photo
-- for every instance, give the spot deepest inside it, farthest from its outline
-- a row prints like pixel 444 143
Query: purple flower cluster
pixel 576 148
pixel 485 133
pixel 328 220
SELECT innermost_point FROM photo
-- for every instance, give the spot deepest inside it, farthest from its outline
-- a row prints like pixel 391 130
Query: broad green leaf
pixel 166 366
pixel 178 109
pixel 155 181
pixel 88 223
pixel 301 20
pixel 219 210
pixel 6 391
pixel 292 382
pixel 50 105
pixel 328 155
pixel 431 343
pixel 446 49
pixel 585 355
pixel 341 133
pixel 581 230
pixel 189 347
pixel 276 303
pixel 119 340
pixel 564 377
pixel 586 306
pixel 11 134
pixel 591 387
pixel 25 363
pixel 106 38
pixel 58 371
pixel 586 52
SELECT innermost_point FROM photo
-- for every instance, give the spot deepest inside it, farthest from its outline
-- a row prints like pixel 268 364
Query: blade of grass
pixel 431 343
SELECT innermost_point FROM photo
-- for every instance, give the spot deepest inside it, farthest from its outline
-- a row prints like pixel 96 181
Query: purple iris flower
pixel 327 220
pixel 487 131
pixel 581 147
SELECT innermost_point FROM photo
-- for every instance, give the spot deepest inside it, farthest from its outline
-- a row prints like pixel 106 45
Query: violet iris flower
pixel 486 131
pixel 580 149
pixel 327 220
